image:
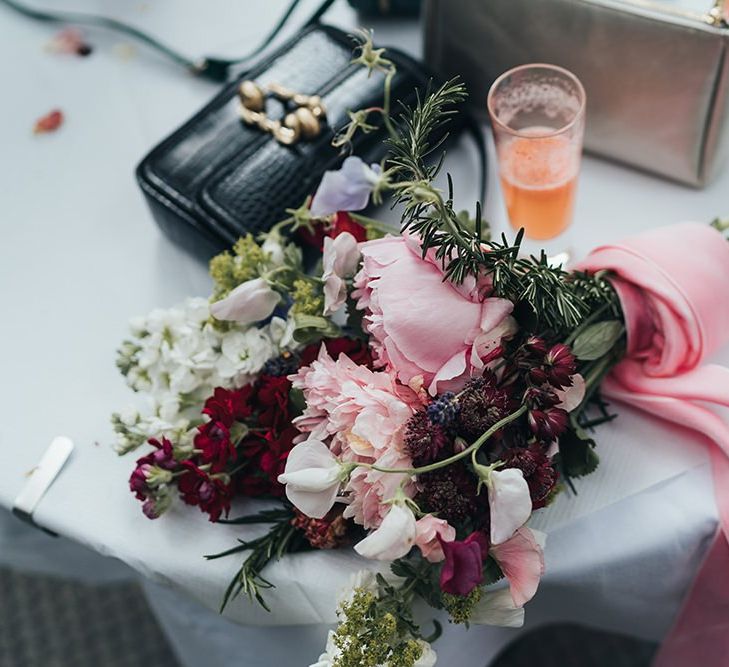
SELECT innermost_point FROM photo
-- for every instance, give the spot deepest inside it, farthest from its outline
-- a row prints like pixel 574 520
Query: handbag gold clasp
pixel 305 122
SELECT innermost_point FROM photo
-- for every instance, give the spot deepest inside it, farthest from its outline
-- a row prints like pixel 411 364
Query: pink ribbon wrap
pixel 673 284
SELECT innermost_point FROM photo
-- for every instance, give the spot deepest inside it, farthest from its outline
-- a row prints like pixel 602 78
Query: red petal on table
pixel 49 123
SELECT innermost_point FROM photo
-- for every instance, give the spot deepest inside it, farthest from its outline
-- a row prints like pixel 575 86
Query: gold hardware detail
pixel 304 122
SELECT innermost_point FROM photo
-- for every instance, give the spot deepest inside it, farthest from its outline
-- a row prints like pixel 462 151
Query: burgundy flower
pixel 213 438
pixel 272 396
pixel 462 569
pixel 536 345
pixel 229 405
pixel 356 349
pixel 560 365
pixel 329 532
pixel 164 456
pixel 138 480
pixel 537 469
pixel 423 439
pixel 210 493
pixel 548 424
pixel 481 404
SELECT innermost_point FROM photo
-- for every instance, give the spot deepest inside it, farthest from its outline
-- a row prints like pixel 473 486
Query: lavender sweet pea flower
pixel 346 189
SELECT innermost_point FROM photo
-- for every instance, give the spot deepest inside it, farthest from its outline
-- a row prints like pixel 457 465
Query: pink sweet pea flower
pixel 393 539
pixel 345 189
pixel 521 559
pixel 425 328
pixel 429 531
pixel 252 301
pixel 312 477
pixel 462 570
pixel 571 397
pixel 339 260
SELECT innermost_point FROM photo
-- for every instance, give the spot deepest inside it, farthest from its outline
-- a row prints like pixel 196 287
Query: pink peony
pixel 364 412
pixel 429 532
pixel 369 490
pixel 429 331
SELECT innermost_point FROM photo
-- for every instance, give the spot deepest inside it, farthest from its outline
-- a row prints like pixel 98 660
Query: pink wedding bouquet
pixel 415 397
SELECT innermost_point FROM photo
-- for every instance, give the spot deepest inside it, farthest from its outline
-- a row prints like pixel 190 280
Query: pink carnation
pixel 364 412
pixel 429 331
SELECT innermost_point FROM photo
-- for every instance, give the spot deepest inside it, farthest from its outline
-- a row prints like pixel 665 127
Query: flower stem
pixel 456 457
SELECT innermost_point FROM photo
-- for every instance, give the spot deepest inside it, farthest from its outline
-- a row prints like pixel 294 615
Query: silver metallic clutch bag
pixel 656 74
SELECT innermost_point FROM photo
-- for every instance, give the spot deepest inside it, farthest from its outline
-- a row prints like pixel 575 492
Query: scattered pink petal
pixel 49 123
pixel 70 41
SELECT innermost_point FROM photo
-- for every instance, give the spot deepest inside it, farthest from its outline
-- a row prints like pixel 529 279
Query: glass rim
pixel 555 68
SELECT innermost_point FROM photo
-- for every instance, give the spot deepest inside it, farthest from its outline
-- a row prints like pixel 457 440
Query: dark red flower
pixel 482 404
pixel 538 471
pixel 355 349
pixel 536 345
pixel 423 439
pixel 213 439
pixel 560 365
pixel 272 396
pixel 462 568
pixel 209 492
pixel 327 533
pixel 343 222
pixel 161 457
pixel 229 405
pixel 548 424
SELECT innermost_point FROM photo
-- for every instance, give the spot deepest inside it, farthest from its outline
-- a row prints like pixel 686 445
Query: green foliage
pixel 308 298
pixel 460 607
pixel 377 629
pixel 548 296
pixel 230 270
pixel 577 456
pixel 281 538
pixel 597 339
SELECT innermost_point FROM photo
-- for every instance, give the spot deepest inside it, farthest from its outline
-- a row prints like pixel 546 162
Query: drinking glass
pixel 538 120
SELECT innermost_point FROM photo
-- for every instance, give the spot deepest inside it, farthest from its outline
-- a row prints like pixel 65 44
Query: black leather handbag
pixel 217 178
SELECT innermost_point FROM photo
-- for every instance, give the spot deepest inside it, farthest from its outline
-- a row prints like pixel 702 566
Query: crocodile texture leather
pixel 215 178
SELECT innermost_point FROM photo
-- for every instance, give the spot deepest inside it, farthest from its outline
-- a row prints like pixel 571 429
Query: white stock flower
pixel 394 538
pixel 510 503
pixel 497 608
pixel 244 353
pixel 312 477
pixel 252 301
pixel 340 260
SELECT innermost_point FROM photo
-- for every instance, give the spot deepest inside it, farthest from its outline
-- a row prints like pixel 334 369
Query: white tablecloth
pixel 80 255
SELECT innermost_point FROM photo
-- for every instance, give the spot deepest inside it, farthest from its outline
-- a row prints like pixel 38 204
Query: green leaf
pixel 311 328
pixel 597 340
pixel 577 453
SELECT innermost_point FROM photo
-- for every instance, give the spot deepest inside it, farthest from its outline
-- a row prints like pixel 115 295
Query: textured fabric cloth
pixel 671 283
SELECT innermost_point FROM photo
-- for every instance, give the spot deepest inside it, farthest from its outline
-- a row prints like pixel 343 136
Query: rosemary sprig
pixel 281 538
pixel 554 300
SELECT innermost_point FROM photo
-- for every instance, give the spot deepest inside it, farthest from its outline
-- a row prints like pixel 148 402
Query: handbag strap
pixel 208 67
pixel 218 69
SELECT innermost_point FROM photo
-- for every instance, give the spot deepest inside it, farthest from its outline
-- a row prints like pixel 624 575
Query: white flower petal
pixel 311 477
pixel 393 539
pixel 252 301
pixel 509 501
pixel 497 608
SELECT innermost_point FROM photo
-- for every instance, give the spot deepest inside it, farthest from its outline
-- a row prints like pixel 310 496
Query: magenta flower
pixel 463 567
